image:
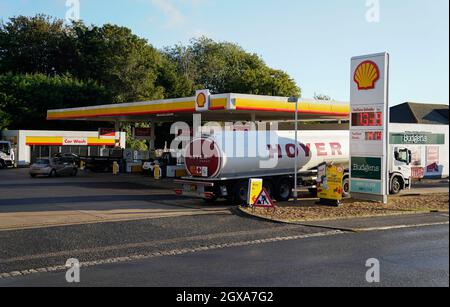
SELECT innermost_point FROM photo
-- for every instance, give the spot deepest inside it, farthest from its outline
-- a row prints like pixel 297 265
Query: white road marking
pixel 168 253
pixel 109 248
pixel 401 227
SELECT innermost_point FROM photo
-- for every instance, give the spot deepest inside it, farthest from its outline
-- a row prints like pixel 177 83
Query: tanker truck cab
pixel 7 158
pixel 400 170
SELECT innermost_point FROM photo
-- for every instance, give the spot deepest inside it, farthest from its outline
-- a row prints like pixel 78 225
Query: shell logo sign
pixel 366 75
pixel 202 100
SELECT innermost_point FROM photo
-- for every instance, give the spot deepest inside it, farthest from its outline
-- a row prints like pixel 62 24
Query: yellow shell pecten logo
pixel 201 100
pixel 366 75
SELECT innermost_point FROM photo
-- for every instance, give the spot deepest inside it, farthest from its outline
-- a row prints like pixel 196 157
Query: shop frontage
pixel 30 145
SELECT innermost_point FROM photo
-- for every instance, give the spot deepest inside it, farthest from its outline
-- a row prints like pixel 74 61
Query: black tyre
pixel 268 185
pixel 210 201
pixel 2 164
pixel 74 172
pixel 396 185
pixel 283 190
pixel 214 197
pixel 33 175
pixel 313 192
pixel 52 173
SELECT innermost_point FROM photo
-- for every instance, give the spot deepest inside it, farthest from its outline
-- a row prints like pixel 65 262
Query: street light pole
pixel 296 153
pixel 295 99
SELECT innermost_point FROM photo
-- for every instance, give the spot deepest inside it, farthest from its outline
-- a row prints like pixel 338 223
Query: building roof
pixel 420 113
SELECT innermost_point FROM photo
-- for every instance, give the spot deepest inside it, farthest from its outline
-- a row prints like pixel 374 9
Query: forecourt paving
pixel 89 198
pixel 27 203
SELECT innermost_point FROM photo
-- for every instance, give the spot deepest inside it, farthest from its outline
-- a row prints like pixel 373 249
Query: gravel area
pixel 397 205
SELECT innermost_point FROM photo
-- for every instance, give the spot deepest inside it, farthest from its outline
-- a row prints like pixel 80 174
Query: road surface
pixel 408 257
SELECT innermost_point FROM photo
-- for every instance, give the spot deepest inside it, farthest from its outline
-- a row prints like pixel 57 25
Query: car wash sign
pixel 369 118
pixel 74 141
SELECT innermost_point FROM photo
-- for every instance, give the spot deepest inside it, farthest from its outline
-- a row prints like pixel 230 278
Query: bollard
pixel 157 172
pixel 115 168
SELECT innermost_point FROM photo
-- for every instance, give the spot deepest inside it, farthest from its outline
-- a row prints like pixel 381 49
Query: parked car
pixel 68 158
pixel 52 167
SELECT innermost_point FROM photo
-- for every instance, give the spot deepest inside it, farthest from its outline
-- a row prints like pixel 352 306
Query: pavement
pixel 427 187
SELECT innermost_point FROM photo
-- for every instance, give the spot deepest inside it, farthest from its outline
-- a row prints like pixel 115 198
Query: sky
pixel 313 41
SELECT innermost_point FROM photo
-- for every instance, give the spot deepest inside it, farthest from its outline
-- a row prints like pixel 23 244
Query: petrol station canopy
pixel 220 108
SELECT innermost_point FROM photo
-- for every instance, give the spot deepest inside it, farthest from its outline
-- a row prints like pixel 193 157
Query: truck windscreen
pixel 4 148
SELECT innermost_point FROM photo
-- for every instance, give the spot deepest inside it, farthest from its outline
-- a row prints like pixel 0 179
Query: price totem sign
pixel 369 108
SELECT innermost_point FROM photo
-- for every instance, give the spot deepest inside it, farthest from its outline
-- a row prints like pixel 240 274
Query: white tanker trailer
pixel 220 165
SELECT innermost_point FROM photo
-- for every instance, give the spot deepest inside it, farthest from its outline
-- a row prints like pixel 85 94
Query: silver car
pixel 52 167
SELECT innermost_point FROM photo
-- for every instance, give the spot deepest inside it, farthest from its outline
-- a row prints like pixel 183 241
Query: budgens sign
pixel 366 168
pixel 417 138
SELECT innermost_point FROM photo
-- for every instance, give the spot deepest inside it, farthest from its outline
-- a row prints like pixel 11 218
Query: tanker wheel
pixel 241 192
pixel 214 198
pixel 268 185
pixel 284 190
pixel 210 201
pixel 313 192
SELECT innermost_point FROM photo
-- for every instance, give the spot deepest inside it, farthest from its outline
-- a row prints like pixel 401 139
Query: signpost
pixel 255 186
pixel 263 200
pixel 329 184
pixel 369 107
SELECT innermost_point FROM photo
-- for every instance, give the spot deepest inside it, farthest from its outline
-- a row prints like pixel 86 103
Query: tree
pixel 25 99
pixel 126 65
pixel 5 118
pixel 119 60
pixel 37 44
pixel 225 67
pixel 175 85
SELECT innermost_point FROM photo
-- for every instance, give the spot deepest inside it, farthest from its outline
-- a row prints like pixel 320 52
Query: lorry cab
pixel 400 170
pixel 7 158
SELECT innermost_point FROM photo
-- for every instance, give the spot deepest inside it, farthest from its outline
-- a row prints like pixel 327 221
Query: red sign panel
pixel 142 132
pixel 367 119
pixel 106 132
pixel 417 172
pixel 206 162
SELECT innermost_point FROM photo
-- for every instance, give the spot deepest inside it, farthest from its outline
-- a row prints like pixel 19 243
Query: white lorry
pixel 222 171
pixel 7 156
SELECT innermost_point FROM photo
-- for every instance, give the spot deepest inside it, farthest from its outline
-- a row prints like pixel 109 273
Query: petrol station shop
pixel 30 145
